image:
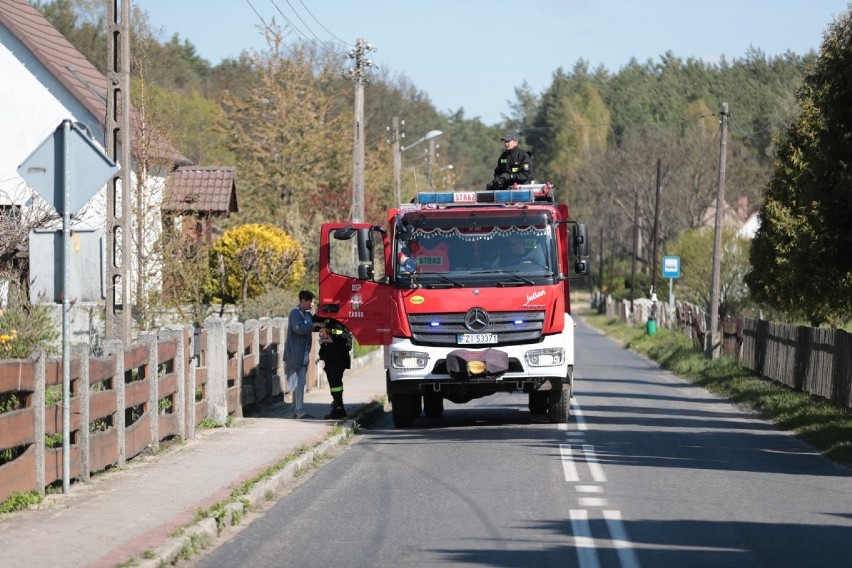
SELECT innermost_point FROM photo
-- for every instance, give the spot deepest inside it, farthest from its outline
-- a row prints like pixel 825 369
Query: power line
pixel 269 29
pixel 289 23
pixel 259 17
pixel 310 30
pixel 301 34
pixel 323 27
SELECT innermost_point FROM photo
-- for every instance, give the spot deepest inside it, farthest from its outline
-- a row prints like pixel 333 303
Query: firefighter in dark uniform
pixel 513 166
pixel 335 345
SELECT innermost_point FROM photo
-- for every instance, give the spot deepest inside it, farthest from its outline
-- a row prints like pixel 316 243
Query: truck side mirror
pixel 581 240
pixel 365 254
pixel 345 233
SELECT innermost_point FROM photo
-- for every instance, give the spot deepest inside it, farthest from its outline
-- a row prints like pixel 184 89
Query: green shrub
pixel 25 327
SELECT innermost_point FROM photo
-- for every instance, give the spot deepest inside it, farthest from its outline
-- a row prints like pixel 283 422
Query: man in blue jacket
pixel 297 351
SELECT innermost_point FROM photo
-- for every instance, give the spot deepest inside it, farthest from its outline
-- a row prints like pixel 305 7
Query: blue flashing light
pixel 512 196
pixel 471 197
pixel 518 322
pixel 434 324
pixel 434 197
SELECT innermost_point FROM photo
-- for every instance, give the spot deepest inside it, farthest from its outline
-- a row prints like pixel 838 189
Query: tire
pixel 416 404
pixel 433 405
pixel 538 402
pixel 559 406
pixel 402 409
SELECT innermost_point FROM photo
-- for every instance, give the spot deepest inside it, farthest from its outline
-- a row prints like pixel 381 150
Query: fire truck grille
pixel 444 329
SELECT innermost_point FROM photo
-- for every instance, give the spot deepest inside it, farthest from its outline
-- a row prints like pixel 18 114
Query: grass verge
pixel 827 428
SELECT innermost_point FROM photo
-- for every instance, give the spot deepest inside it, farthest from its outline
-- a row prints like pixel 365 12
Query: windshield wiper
pixel 446 281
pixel 518 278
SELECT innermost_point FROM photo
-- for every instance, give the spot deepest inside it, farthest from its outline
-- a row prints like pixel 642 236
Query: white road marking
pixel 594 466
pixel 578 415
pixel 568 463
pixel 584 543
pixel 587 554
pixel 622 543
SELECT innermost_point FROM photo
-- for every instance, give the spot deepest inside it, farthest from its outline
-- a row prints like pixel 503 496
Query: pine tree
pixel 800 256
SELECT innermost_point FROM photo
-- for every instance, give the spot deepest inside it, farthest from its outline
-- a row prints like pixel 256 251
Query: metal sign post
pixel 66 170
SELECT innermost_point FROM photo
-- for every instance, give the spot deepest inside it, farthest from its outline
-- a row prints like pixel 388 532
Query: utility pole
pixel 600 262
pixel 656 230
pixel 117 140
pixel 358 74
pixel 711 347
pixel 635 247
pixel 432 164
pixel 397 158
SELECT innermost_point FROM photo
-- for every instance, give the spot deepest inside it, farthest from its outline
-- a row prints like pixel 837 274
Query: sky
pixel 473 54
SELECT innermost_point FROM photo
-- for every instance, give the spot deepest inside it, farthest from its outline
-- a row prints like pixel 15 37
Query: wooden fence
pixel 817 361
pixel 133 397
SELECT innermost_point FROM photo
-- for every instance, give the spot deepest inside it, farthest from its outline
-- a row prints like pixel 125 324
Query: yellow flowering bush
pixel 250 260
pixel 7 339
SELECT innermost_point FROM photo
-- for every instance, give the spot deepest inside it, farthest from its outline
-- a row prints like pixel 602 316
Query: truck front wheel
pixel 433 405
pixel 403 409
pixel 559 406
pixel 538 402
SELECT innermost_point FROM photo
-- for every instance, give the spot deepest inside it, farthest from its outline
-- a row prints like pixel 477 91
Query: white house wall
pixel 33 103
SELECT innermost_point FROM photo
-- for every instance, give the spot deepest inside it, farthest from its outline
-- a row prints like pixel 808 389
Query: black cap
pixel 510 137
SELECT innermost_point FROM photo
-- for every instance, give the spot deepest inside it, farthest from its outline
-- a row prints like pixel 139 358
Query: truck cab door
pixel 353 286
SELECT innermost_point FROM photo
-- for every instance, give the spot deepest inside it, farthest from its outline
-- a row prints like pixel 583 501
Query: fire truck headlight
pixel 410 359
pixel 550 357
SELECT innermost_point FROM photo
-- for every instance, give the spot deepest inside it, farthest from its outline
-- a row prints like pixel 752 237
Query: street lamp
pixel 397 160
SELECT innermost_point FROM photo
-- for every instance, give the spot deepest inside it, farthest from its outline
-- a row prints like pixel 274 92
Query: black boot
pixel 338 411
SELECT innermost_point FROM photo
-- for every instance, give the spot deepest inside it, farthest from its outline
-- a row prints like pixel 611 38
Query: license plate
pixel 476 338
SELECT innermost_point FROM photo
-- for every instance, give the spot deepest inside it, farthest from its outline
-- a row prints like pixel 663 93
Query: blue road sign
pixel 89 168
pixel 671 267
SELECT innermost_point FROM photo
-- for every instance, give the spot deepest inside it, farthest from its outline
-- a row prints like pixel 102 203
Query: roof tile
pixel 65 62
pixel 201 188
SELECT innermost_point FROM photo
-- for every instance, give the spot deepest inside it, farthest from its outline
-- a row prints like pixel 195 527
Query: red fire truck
pixel 467 292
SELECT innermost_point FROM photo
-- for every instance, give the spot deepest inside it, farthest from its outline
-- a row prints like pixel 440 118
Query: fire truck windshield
pixel 443 255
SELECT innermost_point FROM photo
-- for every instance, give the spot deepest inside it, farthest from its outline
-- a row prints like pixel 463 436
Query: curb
pixel 201 534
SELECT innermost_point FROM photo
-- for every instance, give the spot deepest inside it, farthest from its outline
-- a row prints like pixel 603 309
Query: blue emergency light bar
pixel 522 194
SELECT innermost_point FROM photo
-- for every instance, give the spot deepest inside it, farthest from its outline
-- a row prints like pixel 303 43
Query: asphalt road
pixel 651 471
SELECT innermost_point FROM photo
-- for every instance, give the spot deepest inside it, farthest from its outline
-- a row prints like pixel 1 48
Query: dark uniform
pixel 335 345
pixel 513 166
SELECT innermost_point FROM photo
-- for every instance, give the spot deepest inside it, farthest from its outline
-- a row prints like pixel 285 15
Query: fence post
pixel 265 363
pixel 252 329
pixel 279 354
pixel 81 351
pixel 116 348
pixel 842 395
pixel 153 387
pixel 191 378
pixel 38 417
pixel 178 366
pixel 217 370
pixel 238 330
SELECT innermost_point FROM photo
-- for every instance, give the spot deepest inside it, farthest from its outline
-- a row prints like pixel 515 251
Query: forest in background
pixel 284 117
